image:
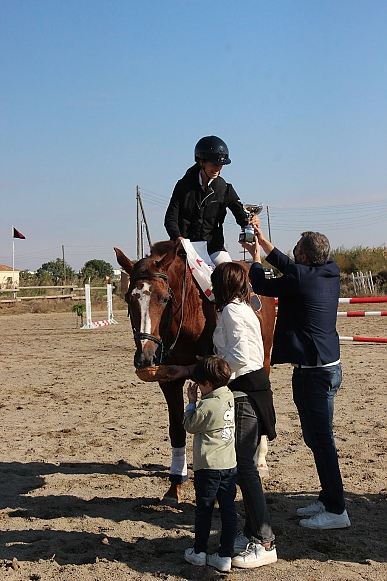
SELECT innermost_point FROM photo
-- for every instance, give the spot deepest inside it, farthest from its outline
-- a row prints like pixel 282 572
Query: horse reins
pixel 141 336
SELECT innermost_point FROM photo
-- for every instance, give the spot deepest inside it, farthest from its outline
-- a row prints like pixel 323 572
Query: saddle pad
pixel 201 266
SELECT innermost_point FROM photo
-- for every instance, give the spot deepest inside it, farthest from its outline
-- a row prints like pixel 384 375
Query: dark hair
pixel 214 369
pixel 316 247
pixel 229 282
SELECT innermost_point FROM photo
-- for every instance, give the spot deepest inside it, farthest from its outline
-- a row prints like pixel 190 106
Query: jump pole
pixel 359 313
pixel 110 320
pixel 353 300
pixel 362 314
pixel 365 339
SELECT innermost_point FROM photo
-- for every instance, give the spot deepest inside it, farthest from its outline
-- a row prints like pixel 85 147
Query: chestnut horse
pixel 173 322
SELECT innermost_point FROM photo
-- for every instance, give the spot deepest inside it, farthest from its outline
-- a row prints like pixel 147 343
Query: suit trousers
pixel 313 393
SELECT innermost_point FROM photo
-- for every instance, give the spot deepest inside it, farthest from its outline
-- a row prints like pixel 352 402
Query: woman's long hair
pixel 230 282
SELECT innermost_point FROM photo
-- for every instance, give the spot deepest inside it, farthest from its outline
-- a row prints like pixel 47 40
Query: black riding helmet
pixel 212 148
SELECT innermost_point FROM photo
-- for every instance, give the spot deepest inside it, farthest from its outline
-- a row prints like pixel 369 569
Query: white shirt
pixel 238 340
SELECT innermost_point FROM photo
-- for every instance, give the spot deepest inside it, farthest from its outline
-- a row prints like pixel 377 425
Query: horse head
pixel 150 301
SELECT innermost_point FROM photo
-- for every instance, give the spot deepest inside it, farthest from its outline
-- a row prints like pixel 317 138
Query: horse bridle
pixel 141 336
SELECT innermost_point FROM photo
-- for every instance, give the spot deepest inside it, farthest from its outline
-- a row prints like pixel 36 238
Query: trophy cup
pixel 247 235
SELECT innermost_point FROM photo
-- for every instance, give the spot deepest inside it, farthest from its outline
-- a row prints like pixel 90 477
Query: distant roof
pixel 4 268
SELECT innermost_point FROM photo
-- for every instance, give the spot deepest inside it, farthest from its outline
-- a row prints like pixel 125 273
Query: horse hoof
pixel 173 496
pixel 169 501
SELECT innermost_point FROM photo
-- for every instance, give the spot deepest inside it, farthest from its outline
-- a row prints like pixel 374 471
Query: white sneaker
pixel 255 555
pixel 195 558
pixel 220 563
pixel 326 520
pixel 314 508
pixel 240 543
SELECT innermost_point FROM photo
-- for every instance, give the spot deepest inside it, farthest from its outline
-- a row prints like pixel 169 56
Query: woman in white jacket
pixel 238 339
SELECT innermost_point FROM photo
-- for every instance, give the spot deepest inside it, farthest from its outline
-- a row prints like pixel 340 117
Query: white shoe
pixel 314 508
pixel 327 520
pixel 240 543
pixel 255 555
pixel 195 558
pixel 219 563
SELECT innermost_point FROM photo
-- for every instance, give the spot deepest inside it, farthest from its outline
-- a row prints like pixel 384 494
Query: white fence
pixel 61 292
pixel 363 283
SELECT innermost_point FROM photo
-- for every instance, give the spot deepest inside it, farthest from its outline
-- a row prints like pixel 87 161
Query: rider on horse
pixel 200 199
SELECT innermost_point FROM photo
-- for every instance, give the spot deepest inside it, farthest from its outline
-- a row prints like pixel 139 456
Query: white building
pixel 6 276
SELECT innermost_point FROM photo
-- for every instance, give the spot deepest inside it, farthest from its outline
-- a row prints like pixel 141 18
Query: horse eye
pixel 164 300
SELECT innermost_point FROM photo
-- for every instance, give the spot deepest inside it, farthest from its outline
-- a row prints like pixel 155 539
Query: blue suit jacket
pixel 308 297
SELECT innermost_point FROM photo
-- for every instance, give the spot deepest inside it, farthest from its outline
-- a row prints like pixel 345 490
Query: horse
pixel 173 322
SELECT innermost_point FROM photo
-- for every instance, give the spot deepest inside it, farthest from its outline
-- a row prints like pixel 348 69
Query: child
pixel 214 459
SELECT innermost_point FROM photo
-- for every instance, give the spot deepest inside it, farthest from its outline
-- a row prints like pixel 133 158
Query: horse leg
pixel 262 453
pixel 267 319
pixel 173 394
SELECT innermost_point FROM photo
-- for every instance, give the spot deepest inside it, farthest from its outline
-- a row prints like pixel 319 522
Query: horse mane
pixel 143 267
pixel 160 249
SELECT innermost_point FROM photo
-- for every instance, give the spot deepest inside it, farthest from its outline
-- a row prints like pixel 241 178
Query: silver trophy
pixel 247 235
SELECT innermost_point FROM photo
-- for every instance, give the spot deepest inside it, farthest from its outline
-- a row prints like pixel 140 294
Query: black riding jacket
pixel 199 214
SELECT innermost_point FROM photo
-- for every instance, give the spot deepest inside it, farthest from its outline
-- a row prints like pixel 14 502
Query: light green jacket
pixel 212 423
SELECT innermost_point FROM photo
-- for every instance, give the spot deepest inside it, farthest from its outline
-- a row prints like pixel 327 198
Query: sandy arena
pixel 85 456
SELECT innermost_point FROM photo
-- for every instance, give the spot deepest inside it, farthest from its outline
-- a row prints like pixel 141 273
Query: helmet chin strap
pixel 204 171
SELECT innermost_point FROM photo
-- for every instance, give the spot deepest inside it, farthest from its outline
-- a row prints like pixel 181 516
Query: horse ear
pixel 124 261
pixel 166 262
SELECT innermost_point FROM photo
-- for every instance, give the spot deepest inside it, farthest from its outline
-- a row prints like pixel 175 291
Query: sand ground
pixel 84 457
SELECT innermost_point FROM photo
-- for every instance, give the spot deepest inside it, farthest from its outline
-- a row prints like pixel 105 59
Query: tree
pixel 55 269
pixel 96 269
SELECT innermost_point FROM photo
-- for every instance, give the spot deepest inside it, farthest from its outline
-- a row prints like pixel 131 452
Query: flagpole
pixel 13 258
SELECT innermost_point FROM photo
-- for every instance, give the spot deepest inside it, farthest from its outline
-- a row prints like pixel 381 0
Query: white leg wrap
pixel 179 462
pixel 262 452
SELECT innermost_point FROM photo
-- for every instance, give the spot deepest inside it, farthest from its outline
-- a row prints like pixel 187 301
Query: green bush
pixel 361 259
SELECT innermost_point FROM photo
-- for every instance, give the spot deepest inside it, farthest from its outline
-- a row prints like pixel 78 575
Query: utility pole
pixel 138 223
pixel 141 223
pixel 64 265
pixel 268 222
pixel 144 218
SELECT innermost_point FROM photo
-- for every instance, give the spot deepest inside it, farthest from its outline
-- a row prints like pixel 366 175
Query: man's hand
pixel 266 245
pixel 253 248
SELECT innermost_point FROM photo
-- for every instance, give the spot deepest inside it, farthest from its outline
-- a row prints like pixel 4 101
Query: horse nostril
pixel 144 359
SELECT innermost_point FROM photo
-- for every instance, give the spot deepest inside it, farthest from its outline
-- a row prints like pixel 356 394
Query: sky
pixel 98 97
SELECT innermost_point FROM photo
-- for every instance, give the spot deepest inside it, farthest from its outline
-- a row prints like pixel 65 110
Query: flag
pixel 17 234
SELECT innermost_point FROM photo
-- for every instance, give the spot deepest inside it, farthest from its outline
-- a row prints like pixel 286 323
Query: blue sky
pixel 99 96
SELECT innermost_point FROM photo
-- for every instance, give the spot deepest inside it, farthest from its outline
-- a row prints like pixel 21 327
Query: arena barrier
pixel 110 320
pixel 365 339
pixel 362 314
pixel 353 300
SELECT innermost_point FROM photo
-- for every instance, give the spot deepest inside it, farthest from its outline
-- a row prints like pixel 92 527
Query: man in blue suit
pixel 305 335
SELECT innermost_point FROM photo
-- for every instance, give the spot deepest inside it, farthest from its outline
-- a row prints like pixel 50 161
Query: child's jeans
pixel 219 484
